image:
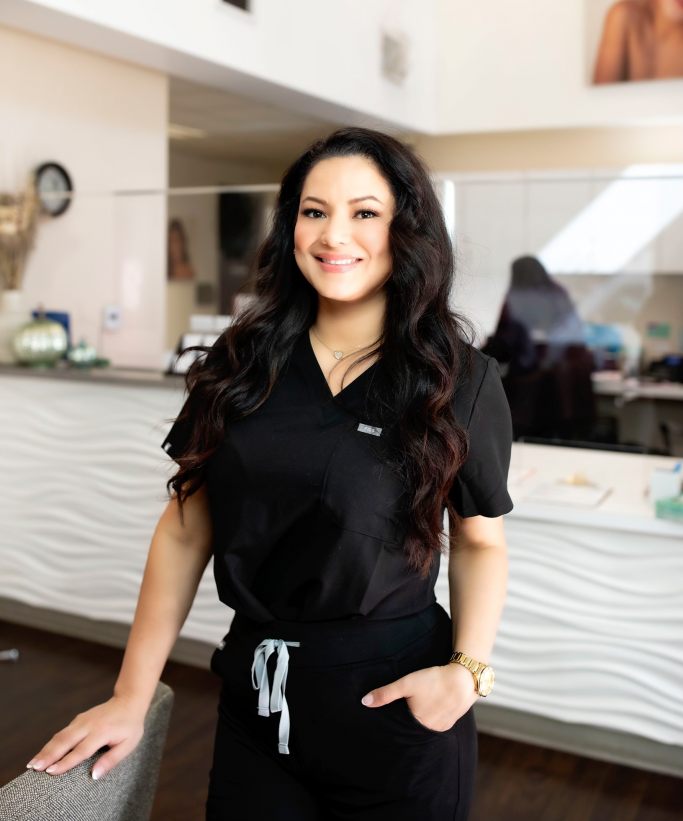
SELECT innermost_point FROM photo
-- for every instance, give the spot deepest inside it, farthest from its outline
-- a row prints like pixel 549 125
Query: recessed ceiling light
pixel 185 132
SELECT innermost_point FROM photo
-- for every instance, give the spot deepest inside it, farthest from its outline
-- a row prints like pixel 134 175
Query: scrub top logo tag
pixel 369 429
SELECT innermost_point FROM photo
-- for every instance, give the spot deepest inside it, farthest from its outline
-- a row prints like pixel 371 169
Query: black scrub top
pixel 308 522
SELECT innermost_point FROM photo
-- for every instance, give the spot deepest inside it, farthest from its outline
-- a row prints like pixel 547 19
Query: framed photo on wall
pixel 634 40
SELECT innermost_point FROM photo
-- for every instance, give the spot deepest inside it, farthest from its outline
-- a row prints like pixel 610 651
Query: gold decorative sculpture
pixel 18 222
pixel 19 213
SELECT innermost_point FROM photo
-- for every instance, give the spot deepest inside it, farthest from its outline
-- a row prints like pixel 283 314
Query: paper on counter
pixel 566 494
pixel 517 475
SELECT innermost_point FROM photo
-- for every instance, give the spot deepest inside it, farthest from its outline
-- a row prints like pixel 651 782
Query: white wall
pixel 319 57
pixel 507 66
pixel 474 67
pixel 105 121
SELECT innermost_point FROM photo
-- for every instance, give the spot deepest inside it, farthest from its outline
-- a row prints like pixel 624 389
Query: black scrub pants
pixel 345 761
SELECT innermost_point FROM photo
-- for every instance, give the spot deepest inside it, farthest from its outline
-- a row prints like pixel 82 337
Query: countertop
pixel 627 475
pixel 626 507
pixel 110 376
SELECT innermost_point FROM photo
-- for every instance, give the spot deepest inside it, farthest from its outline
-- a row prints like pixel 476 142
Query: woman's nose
pixel 336 232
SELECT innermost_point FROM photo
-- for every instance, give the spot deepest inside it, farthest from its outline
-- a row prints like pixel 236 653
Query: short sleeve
pixel 480 488
pixel 177 437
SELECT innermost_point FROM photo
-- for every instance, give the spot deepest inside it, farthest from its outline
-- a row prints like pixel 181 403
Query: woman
pixel 543 308
pixel 547 367
pixel 321 492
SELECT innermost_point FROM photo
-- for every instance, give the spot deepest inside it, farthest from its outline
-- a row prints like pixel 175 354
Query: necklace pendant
pixel 337 354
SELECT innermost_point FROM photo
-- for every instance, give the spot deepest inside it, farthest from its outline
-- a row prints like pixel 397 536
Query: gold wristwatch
pixel 483 674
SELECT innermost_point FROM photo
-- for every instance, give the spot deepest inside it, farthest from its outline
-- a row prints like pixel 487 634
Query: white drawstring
pixel 277 703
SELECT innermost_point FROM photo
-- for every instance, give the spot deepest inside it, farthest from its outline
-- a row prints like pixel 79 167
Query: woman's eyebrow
pixel 369 197
pixel 355 199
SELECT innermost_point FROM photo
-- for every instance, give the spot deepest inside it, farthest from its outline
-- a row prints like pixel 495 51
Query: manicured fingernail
pixel 367 700
pixel 38 765
pixel 96 774
pixel 30 763
pixel 51 769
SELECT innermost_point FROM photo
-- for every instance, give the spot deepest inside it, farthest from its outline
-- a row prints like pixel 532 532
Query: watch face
pixel 52 181
pixel 486 680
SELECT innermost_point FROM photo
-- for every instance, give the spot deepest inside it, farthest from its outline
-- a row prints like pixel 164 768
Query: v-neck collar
pixel 317 378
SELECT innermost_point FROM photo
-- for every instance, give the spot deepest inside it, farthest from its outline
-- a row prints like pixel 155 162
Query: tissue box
pixel 664 484
pixel 671 509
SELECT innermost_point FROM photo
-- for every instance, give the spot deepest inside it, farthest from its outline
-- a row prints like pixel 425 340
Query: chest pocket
pixel 362 493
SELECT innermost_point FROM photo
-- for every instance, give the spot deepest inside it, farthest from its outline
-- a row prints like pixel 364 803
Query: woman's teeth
pixel 339 261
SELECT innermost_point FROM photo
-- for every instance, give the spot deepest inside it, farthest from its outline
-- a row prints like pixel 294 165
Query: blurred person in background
pixel 539 342
pixel 347 691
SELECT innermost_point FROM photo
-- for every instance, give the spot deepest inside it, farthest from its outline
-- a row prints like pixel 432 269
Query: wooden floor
pixel 57 677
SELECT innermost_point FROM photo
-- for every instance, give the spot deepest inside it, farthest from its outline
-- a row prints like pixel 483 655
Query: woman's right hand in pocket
pixel 118 724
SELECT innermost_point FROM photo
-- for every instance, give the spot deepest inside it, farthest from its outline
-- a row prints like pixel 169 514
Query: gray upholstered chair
pixel 125 793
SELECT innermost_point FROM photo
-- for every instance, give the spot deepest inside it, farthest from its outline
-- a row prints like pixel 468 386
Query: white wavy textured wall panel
pixel 592 629
pixel 81 489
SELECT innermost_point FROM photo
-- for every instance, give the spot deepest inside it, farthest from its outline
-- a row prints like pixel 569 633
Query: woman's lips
pixel 337 264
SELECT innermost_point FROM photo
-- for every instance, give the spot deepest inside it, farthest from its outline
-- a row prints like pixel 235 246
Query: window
pixel 574 280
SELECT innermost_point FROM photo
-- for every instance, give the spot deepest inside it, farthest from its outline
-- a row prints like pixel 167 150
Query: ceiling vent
pixel 394 58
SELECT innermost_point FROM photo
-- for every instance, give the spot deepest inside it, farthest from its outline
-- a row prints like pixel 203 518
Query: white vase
pixel 13 314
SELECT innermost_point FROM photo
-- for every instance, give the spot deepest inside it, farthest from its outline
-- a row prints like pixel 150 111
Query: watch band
pixel 483 674
pixel 472 665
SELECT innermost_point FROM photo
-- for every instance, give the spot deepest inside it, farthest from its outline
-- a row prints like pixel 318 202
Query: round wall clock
pixel 52 180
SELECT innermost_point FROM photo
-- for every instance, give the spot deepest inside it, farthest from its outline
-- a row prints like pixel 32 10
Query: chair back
pixel 125 793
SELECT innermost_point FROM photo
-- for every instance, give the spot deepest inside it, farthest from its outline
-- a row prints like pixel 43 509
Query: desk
pixel 610 383
pixel 640 408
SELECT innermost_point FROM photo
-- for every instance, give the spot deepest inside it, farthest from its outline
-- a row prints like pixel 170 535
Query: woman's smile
pixel 337 263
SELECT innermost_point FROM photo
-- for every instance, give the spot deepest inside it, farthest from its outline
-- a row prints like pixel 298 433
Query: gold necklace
pixel 337 354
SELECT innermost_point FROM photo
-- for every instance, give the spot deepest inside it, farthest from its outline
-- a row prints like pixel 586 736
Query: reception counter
pixel 589 652
pixel 592 629
pixel 82 480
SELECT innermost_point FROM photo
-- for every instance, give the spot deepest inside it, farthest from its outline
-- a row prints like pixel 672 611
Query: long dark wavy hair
pixel 422 346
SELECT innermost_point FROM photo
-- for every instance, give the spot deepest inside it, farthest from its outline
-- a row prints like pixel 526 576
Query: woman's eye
pixel 315 213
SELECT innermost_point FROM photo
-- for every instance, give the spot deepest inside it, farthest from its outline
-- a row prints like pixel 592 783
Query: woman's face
pixel 341 237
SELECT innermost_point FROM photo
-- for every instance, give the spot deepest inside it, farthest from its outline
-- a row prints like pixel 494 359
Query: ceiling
pixel 236 127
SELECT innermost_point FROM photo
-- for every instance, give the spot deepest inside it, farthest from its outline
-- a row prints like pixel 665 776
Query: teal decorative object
pixel 82 355
pixel 40 343
pixel 671 509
